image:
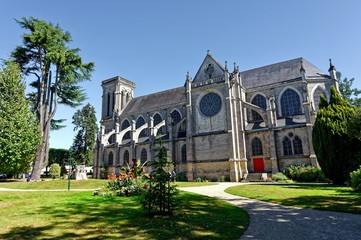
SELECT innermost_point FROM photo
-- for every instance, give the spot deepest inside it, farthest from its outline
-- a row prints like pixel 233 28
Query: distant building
pixel 221 123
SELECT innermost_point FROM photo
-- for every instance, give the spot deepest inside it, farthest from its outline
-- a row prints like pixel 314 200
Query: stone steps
pixel 257 177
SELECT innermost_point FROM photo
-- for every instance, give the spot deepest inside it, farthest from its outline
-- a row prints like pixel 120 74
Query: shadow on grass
pixel 82 216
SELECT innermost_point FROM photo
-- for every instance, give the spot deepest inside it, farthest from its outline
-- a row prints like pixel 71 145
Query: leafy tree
pixel 337 152
pixel 58 155
pixel 19 130
pixel 56 70
pixel 348 92
pixel 86 123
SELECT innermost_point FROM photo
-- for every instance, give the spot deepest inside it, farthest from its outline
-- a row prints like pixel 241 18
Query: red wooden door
pixel 258 164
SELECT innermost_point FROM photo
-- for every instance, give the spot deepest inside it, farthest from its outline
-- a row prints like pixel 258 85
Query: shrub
pixel 302 173
pixel 221 179
pixel 198 179
pixel 54 170
pixel 181 177
pixel 130 182
pixel 63 170
pixel 279 177
pixel 355 181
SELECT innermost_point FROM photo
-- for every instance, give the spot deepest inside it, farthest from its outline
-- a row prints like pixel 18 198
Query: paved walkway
pixel 272 221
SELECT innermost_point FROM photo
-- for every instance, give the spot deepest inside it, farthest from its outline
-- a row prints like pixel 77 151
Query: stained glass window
pixel 140 122
pixel 287 146
pixel 126 124
pixel 143 155
pixel 176 117
pixel 257 149
pixel 210 104
pixel 259 101
pixel 184 153
pixel 297 145
pixel 110 159
pixel 290 103
pixel 126 157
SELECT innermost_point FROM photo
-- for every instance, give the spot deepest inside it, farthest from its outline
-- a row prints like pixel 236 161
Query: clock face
pixel 210 104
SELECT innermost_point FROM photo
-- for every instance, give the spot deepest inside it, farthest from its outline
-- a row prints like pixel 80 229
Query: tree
pixel 354 125
pixel 350 94
pixel 161 196
pixel 57 71
pixel 338 153
pixel 19 130
pixel 58 155
pixel 54 170
pixel 85 122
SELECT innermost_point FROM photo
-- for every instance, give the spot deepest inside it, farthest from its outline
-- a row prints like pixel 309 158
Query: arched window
pixel 316 97
pixel 176 117
pixel 143 155
pixel 290 103
pixel 259 101
pixel 297 145
pixel 140 122
pixel 126 157
pixel 126 124
pixel 184 153
pixel 158 119
pixel 257 149
pixel 182 131
pixel 110 159
pixel 108 104
pixel 287 147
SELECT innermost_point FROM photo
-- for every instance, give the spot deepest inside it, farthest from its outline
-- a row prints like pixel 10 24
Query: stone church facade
pixel 220 123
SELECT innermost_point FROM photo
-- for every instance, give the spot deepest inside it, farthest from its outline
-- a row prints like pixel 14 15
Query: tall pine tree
pixel 19 130
pixel 56 71
pixel 86 123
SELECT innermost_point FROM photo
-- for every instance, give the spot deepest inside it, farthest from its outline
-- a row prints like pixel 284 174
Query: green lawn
pixel 63 184
pixel 317 196
pixel 79 215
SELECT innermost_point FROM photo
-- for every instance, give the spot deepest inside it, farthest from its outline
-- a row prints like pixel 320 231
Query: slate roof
pixel 156 101
pixel 278 72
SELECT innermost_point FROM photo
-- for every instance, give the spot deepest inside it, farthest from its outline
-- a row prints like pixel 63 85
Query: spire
pixel 332 68
pixel 302 71
pixel 187 76
pixel 234 67
pixel 226 66
pixel 333 75
pixel 208 52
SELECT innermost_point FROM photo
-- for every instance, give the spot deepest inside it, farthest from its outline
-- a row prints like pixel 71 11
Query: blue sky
pixel 154 43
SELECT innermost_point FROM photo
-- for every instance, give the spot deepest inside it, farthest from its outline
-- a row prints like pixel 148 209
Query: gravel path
pixel 273 221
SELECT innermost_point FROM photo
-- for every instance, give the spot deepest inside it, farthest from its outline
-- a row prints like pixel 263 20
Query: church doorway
pixel 258 164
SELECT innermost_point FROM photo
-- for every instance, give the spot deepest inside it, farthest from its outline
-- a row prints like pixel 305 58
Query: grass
pixel 79 215
pixel 63 184
pixel 53 184
pixel 316 196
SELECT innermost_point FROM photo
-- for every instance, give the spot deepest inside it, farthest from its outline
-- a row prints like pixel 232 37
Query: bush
pixel 63 170
pixel 54 170
pixel 181 177
pixel 355 181
pixel 302 173
pixel 279 177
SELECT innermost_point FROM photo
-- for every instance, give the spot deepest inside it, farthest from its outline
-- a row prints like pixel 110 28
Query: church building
pixel 222 122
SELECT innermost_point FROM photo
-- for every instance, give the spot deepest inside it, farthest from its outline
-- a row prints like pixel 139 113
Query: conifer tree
pixel 338 153
pixel 19 130
pixel 86 123
pixel 56 71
